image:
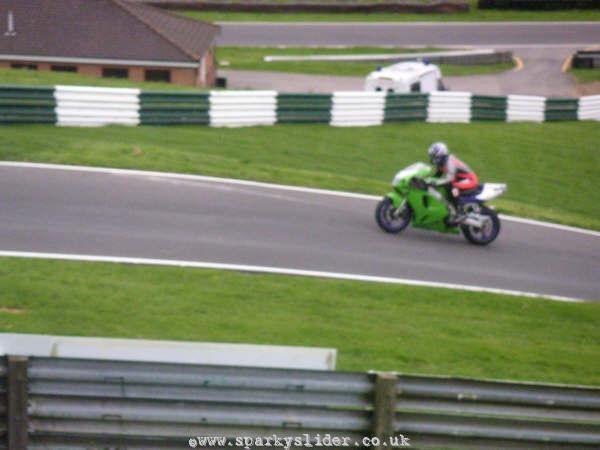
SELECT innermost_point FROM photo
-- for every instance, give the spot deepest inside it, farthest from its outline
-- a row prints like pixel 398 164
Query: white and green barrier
pixel 242 108
pixel 304 108
pixel 93 106
pixel 174 108
pixel 406 107
pixel 449 107
pixel 524 108
pixel 357 108
pixel 20 104
pixel 589 108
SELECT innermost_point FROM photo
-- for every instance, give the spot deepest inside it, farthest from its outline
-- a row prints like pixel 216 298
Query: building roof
pixel 101 29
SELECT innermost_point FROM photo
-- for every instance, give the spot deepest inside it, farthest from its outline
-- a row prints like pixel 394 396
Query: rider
pixel 456 174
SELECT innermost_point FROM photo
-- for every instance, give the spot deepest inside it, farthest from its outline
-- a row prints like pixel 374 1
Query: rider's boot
pixel 456 215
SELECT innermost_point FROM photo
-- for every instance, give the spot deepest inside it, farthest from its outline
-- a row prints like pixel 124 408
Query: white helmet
pixel 437 152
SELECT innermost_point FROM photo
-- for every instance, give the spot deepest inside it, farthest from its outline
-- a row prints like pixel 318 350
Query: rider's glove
pixel 419 183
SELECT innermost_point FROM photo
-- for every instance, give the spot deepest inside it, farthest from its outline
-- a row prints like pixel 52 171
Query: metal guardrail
pixel 3 404
pixel 486 414
pixel 85 404
pixel 459 57
pixel 586 59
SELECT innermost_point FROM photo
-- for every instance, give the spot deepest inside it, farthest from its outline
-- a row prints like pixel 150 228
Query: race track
pixel 541 47
pixel 52 210
pixel 499 35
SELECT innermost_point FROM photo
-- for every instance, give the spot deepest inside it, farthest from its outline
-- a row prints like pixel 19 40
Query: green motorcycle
pixel 415 199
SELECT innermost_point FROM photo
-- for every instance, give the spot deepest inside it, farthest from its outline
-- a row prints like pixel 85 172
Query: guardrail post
pixel 384 407
pixel 17 399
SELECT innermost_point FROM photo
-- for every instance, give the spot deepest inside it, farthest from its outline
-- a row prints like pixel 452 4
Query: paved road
pixel 540 75
pixel 543 47
pixel 155 217
pixel 405 34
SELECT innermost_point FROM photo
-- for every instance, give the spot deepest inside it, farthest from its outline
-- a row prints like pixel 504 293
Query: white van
pixel 405 77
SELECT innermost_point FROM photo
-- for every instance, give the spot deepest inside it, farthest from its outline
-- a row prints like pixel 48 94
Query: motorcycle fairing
pixel 428 211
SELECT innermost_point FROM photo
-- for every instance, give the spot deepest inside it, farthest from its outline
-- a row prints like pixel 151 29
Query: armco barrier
pixel 586 59
pixel 460 57
pixel 91 404
pixel 459 413
pixel 20 104
pixel 89 106
pixel 4 407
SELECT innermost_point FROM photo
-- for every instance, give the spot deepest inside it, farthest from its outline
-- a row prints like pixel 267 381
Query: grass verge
pixel 473 15
pixel 49 78
pixel 382 327
pixel 252 58
pixel 550 167
pixel 586 75
pixel 246 58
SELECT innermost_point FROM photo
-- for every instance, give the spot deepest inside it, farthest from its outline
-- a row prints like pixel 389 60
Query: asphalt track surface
pixel 51 210
pixel 540 75
pixel 542 47
pixel 505 35
pixel 161 218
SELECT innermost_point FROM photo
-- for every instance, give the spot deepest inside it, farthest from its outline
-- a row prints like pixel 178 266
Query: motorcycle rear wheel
pixel 486 234
pixel 391 219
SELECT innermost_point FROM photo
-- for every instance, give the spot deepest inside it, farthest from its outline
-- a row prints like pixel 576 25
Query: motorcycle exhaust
pixel 474 221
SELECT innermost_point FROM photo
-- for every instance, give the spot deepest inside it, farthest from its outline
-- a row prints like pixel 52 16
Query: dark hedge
pixel 539 4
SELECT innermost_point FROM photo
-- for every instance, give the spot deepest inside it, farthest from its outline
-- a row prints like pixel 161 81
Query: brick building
pixel 107 38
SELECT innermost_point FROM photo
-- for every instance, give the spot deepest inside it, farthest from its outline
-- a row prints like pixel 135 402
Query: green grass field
pixel 586 75
pixel 252 58
pixel 474 15
pixel 380 327
pixel 247 58
pixel 48 78
pixel 550 168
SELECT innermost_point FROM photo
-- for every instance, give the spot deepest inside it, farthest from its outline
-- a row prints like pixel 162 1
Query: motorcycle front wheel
pixel 391 219
pixel 485 234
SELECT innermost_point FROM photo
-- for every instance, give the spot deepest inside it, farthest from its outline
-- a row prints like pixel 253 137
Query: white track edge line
pixel 555 226
pixel 233 181
pixel 413 24
pixel 180 176
pixel 282 271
